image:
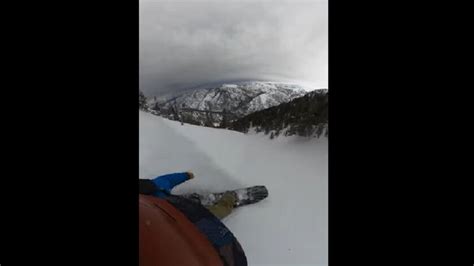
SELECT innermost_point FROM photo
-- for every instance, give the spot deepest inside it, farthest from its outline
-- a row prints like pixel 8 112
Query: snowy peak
pixel 206 106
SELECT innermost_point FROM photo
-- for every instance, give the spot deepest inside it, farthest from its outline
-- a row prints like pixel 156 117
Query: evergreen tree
pixel 224 123
pixel 174 113
pixel 305 116
pixel 142 101
pixel 208 122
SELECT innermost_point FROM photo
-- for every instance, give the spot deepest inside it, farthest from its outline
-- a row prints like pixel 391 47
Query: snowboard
pixel 244 196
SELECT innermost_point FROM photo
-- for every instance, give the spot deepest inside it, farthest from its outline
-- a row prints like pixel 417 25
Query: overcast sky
pixel 184 44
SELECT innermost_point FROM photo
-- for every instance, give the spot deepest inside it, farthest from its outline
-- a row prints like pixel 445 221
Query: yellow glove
pixel 190 175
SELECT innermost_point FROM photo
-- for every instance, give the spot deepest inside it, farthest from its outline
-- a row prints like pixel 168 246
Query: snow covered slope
pixel 290 226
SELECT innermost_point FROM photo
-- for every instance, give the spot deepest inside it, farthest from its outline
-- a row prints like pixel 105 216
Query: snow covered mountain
pixel 207 106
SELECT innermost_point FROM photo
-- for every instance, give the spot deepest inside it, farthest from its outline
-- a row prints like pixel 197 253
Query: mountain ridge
pixel 218 105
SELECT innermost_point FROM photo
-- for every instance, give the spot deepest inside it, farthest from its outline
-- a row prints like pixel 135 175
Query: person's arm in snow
pixel 169 181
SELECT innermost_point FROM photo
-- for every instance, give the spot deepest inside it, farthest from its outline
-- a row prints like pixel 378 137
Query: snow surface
pixel 290 227
pixel 231 86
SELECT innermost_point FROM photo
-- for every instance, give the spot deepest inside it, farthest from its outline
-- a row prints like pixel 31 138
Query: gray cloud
pixel 187 44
